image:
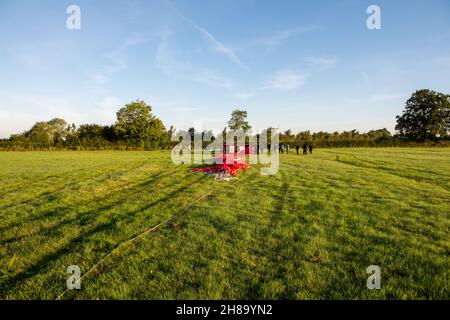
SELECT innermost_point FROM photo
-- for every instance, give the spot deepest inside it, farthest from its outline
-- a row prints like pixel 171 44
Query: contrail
pixel 218 46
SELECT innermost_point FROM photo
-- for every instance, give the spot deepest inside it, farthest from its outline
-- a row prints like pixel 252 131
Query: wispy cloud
pixel 115 61
pixel 40 102
pixel 209 77
pixel 109 103
pixel 12 122
pixel 219 47
pixel 444 61
pixel 388 97
pixel 283 80
pixel 133 39
pixel 245 95
pixel 30 108
pixel 163 58
pixel 210 38
pixel 280 37
pixel 322 62
pixel 106 108
pixel 186 109
pixel 286 80
pixel 173 67
pixel 97 81
pixel 365 76
pixel 381 97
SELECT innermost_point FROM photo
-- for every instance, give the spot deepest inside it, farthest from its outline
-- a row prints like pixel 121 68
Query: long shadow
pixel 408 263
pixel 64 209
pixel 31 183
pixel 380 165
pixel 73 243
pixel 392 172
pixel 46 259
pixel 78 178
pixel 254 291
pixel 33 200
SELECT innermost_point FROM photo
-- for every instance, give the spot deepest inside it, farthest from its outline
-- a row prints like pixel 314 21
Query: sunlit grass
pixel 308 232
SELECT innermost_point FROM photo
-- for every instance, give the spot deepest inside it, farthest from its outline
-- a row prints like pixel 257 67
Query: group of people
pixel 282 148
pixel 306 147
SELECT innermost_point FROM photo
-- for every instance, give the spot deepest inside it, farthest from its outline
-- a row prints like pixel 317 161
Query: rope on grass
pixel 139 236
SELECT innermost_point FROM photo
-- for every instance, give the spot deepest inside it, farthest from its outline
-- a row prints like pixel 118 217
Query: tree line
pixel 425 122
pixel 136 128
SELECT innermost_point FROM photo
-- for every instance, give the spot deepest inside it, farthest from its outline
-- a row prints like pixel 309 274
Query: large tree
pixel 136 124
pixel 239 121
pixel 426 116
pixel 46 134
pixel 94 135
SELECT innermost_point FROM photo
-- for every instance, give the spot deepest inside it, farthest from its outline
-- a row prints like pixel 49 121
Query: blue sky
pixel 303 65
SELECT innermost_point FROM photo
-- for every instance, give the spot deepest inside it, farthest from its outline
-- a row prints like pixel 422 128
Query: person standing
pixel 310 148
pixel 287 148
pixel 305 148
pixel 297 148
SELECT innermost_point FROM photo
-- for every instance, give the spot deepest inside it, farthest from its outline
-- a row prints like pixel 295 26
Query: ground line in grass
pixel 139 236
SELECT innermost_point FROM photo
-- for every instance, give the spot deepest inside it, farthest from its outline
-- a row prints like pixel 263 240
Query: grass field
pixel 308 232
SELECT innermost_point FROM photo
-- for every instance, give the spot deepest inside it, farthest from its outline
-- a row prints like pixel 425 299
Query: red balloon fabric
pixel 232 169
pixel 231 163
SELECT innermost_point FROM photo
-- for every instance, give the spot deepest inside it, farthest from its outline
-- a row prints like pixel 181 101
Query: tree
pixel 191 131
pixel 46 134
pixel 379 135
pixel 239 121
pixel 94 136
pixel 72 140
pixel 136 124
pixel 166 139
pixel 39 135
pixel 57 129
pixel 426 116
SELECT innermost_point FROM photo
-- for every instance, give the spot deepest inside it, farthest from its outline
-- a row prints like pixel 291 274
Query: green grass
pixel 308 232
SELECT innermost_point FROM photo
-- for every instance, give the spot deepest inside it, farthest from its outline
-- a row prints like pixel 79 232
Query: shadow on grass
pixel 62 211
pixel 86 219
pixel 47 193
pixel 274 252
pixel 65 209
pixel 30 183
